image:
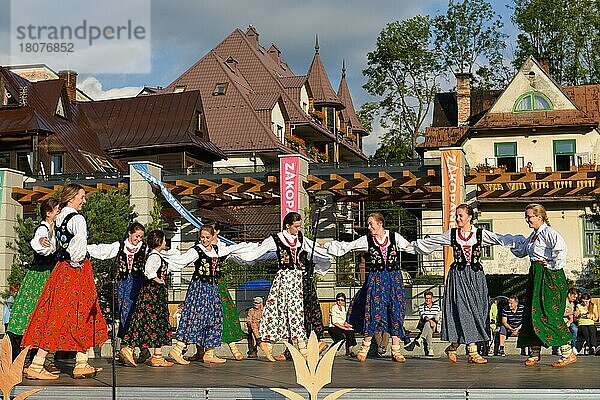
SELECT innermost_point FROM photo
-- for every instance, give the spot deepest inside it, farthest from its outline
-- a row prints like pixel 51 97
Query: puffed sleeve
pixel 321 258
pixel 430 244
pixel 43 232
pixel 559 251
pixel 489 238
pixel 78 245
pixel 226 250
pixel 177 262
pixel 520 248
pixel 337 249
pixel 251 254
pixel 103 251
pixel 153 263
pixel 403 244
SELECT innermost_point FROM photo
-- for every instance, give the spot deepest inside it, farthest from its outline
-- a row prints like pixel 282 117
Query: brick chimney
pixel 70 78
pixel 463 97
pixel 275 53
pixel 252 36
pixel 545 64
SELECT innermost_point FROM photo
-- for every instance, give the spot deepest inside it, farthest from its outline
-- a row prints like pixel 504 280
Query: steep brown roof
pixel 443 136
pixel 348 115
pixel 167 120
pixel 323 94
pixel 535 119
pixel 587 98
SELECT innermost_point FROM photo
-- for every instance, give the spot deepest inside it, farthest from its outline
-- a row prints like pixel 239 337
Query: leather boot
pixel 267 347
pixel 237 354
pixel 396 355
pixel 209 357
pixel 364 350
pixel 175 353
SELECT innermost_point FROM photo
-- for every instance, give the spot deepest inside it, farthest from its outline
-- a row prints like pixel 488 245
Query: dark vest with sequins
pixel 137 267
pixel 460 261
pixel 40 260
pixel 203 267
pixel 284 253
pixel 63 238
pixel 374 258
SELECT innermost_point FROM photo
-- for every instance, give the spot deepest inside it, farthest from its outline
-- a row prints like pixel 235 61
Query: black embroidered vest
pixel 460 260
pixel 285 258
pixel 374 258
pixel 63 238
pixel 137 268
pixel 203 270
pixel 40 262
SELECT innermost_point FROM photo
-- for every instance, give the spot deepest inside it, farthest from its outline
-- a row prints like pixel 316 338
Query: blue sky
pixel 182 31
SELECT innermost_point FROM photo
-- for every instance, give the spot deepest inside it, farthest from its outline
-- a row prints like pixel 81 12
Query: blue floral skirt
pixel 128 291
pixel 201 320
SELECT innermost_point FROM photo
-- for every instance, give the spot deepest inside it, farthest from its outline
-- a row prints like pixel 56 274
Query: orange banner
pixel 453 193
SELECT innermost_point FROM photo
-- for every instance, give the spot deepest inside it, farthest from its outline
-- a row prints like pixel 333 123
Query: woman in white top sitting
pixel 339 328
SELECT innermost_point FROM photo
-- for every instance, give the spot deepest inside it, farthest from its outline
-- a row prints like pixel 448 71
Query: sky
pixel 182 31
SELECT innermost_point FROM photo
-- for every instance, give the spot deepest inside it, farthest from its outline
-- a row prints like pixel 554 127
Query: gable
pixel 532 78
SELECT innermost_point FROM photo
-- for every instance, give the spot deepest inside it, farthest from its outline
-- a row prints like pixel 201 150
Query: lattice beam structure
pixel 536 186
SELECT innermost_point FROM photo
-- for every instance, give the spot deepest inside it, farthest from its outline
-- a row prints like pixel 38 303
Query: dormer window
pixel 7 97
pixel 220 89
pixel 179 89
pixel 533 101
pixel 60 108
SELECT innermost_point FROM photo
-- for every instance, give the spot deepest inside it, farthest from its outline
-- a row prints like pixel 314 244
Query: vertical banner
pixel 288 184
pixel 453 193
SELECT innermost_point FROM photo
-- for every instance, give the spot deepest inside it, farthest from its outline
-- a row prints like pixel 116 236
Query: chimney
pixel 545 64
pixel 463 97
pixel 275 53
pixel 252 36
pixel 70 78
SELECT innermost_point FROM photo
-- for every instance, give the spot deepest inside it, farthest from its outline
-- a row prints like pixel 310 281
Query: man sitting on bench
pixel 512 317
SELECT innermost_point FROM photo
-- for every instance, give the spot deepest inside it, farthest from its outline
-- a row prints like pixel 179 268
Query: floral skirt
pixel 543 323
pixel 201 320
pixel 283 313
pixel 67 315
pixel 313 316
pixel 128 291
pixel 27 297
pixel 150 327
pixel 382 298
pixel 232 330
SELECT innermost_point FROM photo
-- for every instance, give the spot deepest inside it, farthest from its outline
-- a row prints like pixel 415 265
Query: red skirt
pixel 67 315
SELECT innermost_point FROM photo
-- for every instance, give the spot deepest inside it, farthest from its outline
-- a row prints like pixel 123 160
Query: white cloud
pixel 93 88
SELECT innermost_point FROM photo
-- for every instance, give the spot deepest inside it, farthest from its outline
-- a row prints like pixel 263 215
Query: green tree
pixel 23 251
pixel 567 33
pixel 157 221
pixel 403 71
pixel 107 217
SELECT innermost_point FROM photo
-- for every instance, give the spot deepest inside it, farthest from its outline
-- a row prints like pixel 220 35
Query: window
pixel 564 154
pixel 60 108
pixel 533 101
pixel 330 115
pixel 280 132
pixel 8 98
pixel 591 237
pixel 220 89
pixel 487 252
pixel 56 164
pixel 506 155
pixel 178 89
pixel 199 121
pixel 5 159
pixel 24 162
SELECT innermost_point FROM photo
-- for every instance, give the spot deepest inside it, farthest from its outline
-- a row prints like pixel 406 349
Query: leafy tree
pixel 24 253
pixel 567 33
pixel 157 221
pixel 403 71
pixel 107 217
pixel 470 33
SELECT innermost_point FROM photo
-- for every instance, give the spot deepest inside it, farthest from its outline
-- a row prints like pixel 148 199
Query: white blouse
pixel 107 251
pixel 321 259
pixel 338 249
pixel 336 315
pixel 43 231
pixel 545 245
pixel 464 239
pixel 78 227
pixel 153 263
pixel 178 261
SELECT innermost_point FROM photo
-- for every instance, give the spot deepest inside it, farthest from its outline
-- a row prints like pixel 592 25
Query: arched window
pixel 532 101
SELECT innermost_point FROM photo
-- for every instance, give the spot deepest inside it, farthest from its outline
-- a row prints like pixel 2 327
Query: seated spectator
pixel 429 318
pixel 512 318
pixel 339 329
pixel 587 315
pixel 253 322
pixel 569 318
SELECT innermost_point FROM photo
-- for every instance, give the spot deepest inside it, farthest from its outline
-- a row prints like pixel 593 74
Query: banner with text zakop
pixel 288 184
pixel 453 193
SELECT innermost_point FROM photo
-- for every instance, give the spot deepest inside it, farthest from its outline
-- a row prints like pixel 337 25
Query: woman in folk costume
pixel 44 249
pixel 465 303
pixel 201 321
pixel 545 304
pixel 383 300
pixel 131 253
pixel 150 327
pixel 67 315
pixel 283 313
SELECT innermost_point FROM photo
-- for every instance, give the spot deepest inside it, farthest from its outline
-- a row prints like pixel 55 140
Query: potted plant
pixel 590 166
pixel 483 168
pixel 295 142
pixel 318 115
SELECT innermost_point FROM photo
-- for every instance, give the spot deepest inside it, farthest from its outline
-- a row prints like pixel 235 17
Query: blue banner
pixel 142 169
